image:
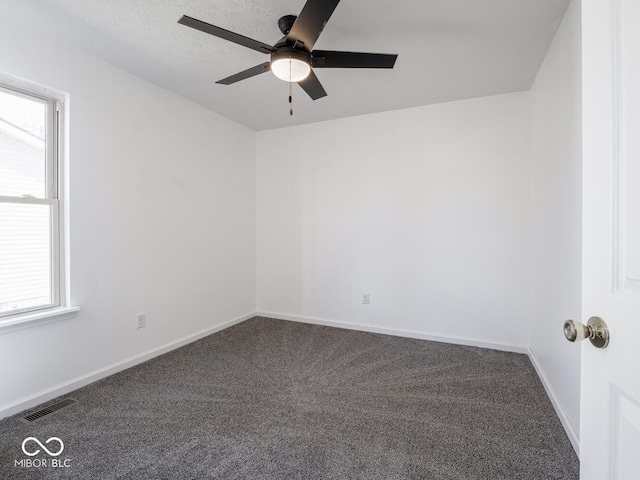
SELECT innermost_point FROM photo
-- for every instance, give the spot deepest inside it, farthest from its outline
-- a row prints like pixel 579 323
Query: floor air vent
pixel 48 410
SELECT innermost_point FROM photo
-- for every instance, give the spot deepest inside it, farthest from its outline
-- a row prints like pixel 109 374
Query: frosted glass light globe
pixel 283 67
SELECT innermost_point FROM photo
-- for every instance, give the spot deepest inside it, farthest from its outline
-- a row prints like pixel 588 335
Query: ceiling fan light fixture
pixel 293 56
pixel 290 67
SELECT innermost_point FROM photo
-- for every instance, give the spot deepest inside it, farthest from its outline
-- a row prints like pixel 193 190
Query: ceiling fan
pixel 293 57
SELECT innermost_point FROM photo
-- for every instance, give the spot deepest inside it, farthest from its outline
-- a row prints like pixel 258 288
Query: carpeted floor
pixel 269 399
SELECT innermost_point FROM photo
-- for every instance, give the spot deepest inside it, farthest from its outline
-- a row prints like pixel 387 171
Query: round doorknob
pixel 595 330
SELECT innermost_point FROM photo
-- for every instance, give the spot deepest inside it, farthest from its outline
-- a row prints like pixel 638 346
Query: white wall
pixel 425 209
pixel 162 220
pixel 556 179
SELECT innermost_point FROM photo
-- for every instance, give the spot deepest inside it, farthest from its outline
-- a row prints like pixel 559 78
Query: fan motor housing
pixel 290 52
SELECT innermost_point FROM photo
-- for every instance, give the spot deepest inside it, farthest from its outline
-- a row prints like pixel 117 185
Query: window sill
pixel 34 319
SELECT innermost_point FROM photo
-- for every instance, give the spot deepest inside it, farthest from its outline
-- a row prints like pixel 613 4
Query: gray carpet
pixel 269 399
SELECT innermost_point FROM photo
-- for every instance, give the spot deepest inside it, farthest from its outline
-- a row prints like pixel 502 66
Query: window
pixel 31 276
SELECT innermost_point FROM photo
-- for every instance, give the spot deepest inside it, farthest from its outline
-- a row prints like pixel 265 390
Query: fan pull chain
pixel 290 96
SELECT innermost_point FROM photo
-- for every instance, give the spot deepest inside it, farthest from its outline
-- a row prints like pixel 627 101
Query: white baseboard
pixel 66 387
pixel 397 332
pixel 560 411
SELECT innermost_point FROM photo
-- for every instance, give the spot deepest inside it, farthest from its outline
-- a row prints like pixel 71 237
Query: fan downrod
pixel 285 23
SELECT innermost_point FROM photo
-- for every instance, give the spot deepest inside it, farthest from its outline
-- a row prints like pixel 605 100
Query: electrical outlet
pixel 141 320
pixel 366 298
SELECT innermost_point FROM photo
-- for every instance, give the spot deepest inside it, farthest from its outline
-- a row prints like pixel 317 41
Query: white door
pixel 610 378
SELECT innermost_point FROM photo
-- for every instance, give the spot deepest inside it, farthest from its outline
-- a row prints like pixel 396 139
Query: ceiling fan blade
pixel 225 34
pixel 311 21
pixel 250 72
pixel 331 59
pixel 313 87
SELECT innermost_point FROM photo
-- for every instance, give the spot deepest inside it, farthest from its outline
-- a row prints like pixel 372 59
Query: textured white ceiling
pixel 448 50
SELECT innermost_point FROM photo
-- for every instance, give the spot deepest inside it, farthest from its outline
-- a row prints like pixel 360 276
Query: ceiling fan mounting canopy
pixel 285 23
pixel 295 49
